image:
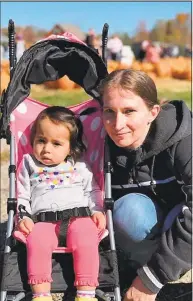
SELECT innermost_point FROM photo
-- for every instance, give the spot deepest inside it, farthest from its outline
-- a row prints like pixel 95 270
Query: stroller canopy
pixel 49 60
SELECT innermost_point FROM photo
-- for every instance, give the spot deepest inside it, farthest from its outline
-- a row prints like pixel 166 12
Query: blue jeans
pixel 138 224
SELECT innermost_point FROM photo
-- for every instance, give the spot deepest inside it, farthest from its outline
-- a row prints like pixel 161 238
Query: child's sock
pixel 85 294
pixel 42 297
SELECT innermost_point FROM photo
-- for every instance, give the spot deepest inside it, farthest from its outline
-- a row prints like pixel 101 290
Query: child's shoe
pixel 85 299
pixel 42 298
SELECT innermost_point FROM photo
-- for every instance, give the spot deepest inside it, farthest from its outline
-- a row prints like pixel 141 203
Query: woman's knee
pixel 135 215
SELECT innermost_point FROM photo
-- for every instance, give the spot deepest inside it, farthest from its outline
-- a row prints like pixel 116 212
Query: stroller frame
pixel 12 201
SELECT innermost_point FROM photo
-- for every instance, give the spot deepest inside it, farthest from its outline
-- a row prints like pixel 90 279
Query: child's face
pixel 51 143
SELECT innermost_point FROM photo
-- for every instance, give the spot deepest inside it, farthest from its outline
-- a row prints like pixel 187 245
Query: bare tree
pixel 29 35
pixel 141 32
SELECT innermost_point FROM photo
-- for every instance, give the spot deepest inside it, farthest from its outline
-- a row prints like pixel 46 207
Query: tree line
pixel 176 31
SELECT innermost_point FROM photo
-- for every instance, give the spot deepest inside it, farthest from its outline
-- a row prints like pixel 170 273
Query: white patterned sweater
pixel 43 188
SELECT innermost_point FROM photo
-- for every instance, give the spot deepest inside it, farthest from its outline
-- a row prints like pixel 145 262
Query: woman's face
pixel 126 117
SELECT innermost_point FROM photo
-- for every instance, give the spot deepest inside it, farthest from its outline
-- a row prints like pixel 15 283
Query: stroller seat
pixel 20 128
pixel 21 121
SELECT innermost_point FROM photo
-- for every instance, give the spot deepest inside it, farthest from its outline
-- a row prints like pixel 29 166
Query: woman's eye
pixel 127 112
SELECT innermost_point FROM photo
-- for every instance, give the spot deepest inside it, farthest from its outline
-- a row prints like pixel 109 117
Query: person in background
pixel 20 46
pixel 115 46
pixel 142 51
pixel 2 52
pixel 152 54
pixel 90 38
pixel 188 51
pixel 127 55
pixel 174 51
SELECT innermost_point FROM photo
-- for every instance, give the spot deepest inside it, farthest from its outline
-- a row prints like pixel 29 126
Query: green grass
pixel 74 97
pixel 181 95
pixel 64 98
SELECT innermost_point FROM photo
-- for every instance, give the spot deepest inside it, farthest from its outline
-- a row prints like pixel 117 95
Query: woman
pixel 150 152
pixel 152 54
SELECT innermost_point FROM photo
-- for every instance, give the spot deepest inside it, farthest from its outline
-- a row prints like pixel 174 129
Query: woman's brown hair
pixel 135 81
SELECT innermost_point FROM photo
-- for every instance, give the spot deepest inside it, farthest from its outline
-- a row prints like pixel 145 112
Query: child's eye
pixel 107 111
pixel 40 140
pixel 57 144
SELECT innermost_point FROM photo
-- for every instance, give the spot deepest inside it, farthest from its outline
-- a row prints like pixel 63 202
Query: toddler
pixel 59 203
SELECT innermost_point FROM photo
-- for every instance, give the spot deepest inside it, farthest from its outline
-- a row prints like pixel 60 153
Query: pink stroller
pixel 48 60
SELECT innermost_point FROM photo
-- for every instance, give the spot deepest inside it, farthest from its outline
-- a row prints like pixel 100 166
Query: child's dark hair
pixel 59 114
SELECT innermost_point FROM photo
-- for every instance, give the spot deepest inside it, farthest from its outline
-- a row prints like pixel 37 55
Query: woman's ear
pixel 154 112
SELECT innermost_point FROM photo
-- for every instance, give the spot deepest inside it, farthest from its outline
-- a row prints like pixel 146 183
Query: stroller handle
pixel 12 47
pixel 104 42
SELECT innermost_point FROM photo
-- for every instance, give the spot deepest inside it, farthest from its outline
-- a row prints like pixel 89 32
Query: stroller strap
pixel 63 216
pixel 51 216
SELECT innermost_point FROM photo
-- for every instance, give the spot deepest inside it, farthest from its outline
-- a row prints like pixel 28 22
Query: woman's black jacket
pixel 162 169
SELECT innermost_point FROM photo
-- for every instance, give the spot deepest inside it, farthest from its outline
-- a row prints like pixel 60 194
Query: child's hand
pixel 25 225
pixel 100 220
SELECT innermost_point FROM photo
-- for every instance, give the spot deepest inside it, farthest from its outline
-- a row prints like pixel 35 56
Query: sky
pixel 121 16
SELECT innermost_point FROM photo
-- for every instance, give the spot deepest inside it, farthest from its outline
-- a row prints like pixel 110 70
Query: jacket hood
pixel 172 124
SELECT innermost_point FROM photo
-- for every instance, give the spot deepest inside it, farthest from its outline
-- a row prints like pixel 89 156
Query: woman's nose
pixel 119 121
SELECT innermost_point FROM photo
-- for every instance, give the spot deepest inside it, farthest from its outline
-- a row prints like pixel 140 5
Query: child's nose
pixel 47 148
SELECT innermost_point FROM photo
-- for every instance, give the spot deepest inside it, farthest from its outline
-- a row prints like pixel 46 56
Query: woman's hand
pixel 138 292
pixel 25 225
pixel 100 220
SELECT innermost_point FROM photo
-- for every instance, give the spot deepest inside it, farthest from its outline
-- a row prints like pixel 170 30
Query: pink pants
pixel 82 238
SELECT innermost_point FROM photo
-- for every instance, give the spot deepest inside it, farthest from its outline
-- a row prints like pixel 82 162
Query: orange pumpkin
pixel 50 84
pixel 65 83
pixel 4 80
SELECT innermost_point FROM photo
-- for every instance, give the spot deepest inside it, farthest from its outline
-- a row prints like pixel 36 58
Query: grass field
pixel 169 89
